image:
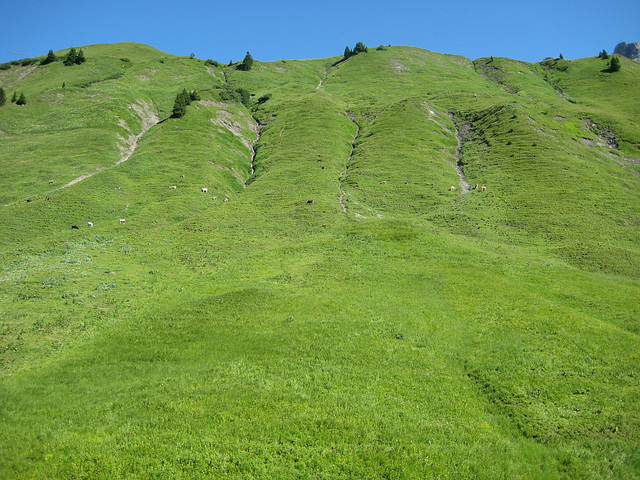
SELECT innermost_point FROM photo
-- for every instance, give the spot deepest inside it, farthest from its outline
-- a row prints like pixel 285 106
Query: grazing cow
pixel 29 200
pixel 122 220
pixel 173 187
pixel 90 224
pixel 181 176
pixel 310 201
pixel 75 226
pixel 475 95
pixel 204 190
pixel 48 197
pixel 51 182
pixel 452 188
pixel 215 198
pixel 383 182
pixel 476 187
pixel 225 200
pixel 408 182
pixel 484 188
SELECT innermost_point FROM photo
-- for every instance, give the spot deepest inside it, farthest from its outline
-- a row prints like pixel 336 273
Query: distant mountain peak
pixel 629 50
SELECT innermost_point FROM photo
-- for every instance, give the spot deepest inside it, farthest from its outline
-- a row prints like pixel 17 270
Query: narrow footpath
pixel 148 119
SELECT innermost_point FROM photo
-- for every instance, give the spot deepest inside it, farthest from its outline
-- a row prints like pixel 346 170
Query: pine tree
pixel 3 97
pixel 80 57
pixel 616 65
pixel 360 48
pixel 50 58
pixel 183 99
pixel 71 57
pixel 247 63
pixel 22 100
pixel 14 99
pixel 347 52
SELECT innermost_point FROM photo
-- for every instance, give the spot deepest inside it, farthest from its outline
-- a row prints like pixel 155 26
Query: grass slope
pixel 321 323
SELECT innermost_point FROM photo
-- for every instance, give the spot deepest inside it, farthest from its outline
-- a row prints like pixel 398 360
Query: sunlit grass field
pixel 344 314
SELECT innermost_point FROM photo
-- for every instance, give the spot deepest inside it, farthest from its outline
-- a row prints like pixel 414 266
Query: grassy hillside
pixel 344 313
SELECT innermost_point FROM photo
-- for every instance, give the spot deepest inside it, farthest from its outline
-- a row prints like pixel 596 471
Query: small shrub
pixel 264 98
pixel 106 286
pixel 125 60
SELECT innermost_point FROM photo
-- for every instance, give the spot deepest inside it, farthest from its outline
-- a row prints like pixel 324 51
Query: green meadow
pixel 329 308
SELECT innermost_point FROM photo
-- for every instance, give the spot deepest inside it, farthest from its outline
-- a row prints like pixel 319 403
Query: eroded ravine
pixel 348 163
pixel 461 134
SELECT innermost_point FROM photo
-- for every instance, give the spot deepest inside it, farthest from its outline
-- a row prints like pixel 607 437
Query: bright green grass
pixel 446 335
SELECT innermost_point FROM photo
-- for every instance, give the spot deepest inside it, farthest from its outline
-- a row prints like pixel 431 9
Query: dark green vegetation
pixel 344 314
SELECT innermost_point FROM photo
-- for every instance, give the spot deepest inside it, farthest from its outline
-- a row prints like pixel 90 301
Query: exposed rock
pixel 629 50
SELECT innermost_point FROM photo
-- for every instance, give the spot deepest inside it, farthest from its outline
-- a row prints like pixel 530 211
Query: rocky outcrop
pixel 629 50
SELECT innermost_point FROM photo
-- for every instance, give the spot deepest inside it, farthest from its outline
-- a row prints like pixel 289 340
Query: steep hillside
pixel 402 264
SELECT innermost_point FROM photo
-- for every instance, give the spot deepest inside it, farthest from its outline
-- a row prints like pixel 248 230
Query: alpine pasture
pixel 281 283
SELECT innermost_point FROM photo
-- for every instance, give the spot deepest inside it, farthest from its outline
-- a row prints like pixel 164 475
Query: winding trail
pixel 346 167
pixel 326 72
pixel 464 185
pixel 148 119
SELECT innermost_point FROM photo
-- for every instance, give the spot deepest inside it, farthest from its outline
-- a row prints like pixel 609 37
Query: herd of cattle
pixel 123 220
pixel 205 190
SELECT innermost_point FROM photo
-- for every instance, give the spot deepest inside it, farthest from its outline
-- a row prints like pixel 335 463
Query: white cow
pixel 173 187
pixel 90 224
pixel 204 190
pixel 122 220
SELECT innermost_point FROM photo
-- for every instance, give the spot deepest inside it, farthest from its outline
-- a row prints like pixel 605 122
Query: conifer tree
pixel 247 63
pixel 615 64
pixel 14 99
pixel 80 57
pixel 183 99
pixel 22 100
pixel 360 48
pixel 71 57
pixel 50 58
pixel 347 52
pixel 3 97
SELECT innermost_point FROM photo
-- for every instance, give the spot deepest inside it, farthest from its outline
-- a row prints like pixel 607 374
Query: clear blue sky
pixel 286 29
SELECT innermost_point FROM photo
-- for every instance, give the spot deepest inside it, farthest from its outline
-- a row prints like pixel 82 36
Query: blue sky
pixel 283 29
